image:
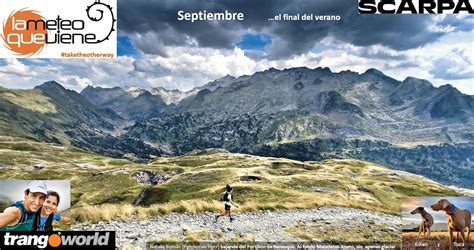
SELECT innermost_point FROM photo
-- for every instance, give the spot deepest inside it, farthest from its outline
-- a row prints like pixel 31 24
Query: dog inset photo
pixel 437 222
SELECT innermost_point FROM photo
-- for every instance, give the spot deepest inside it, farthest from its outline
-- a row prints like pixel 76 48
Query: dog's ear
pixel 421 208
pixel 445 203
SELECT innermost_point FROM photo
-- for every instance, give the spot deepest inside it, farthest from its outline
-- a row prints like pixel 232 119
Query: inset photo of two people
pixel 34 205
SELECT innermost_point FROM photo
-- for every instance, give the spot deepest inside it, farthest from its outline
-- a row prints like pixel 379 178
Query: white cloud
pixel 186 67
pixel 15 67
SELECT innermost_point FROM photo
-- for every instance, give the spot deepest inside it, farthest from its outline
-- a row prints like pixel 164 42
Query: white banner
pixel 58 28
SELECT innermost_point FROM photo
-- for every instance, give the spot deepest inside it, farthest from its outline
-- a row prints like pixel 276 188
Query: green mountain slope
pixel 104 188
pixel 51 113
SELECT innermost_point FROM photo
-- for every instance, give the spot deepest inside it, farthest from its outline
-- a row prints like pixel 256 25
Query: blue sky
pixel 255 42
pixel 126 48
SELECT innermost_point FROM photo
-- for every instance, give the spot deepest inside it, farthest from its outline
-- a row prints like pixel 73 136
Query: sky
pixel 14 190
pixel 411 203
pixel 157 50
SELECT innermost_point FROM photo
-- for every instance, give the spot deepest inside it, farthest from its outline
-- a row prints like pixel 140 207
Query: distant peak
pixel 162 90
pixel 145 94
pixel 227 77
pixel 271 70
pixel 411 78
pixel 89 87
pixel 449 88
pixel 325 69
pixel 303 68
pixel 416 81
pixel 50 84
pixel 128 88
pixel 347 71
pixel 159 89
pixel 374 71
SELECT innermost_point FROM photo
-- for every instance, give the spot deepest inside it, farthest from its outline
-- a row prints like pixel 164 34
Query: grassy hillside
pixel 50 113
pixel 104 188
pixel 21 109
pixel 32 100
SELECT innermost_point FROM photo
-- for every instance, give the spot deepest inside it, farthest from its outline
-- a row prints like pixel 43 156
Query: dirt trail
pixel 261 226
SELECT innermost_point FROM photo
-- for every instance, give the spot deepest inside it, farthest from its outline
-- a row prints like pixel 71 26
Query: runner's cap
pixel 38 187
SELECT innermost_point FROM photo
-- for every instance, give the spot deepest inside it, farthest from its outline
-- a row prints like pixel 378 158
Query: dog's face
pixel 440 205
pixel 418 210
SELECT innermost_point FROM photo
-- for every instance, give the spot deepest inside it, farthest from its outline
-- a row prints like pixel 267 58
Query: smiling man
pixel 20 216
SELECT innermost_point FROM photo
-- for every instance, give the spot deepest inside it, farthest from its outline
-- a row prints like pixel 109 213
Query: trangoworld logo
pixel 72 239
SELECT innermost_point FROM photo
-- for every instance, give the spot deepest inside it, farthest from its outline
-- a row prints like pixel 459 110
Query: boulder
pixel 323 190
pixel 86 165
pixel 151 178
pixel 250 178
pixel 38 166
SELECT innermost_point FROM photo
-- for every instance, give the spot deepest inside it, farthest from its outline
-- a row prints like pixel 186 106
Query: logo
pixel 59 31
pixel 19 38
pixel 58 240
pixel 415 7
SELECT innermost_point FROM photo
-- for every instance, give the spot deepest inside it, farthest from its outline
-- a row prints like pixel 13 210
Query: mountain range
pixel 298 113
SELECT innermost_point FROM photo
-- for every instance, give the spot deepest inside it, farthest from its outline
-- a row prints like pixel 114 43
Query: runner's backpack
pixel 225 197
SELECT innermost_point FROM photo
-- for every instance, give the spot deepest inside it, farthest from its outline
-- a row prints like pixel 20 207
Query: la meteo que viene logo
pixel 26 31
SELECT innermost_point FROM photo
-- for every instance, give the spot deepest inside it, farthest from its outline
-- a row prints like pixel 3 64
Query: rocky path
pixel 263 226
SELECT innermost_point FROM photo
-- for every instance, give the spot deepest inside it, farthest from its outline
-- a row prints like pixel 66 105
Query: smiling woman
pixel 49 212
